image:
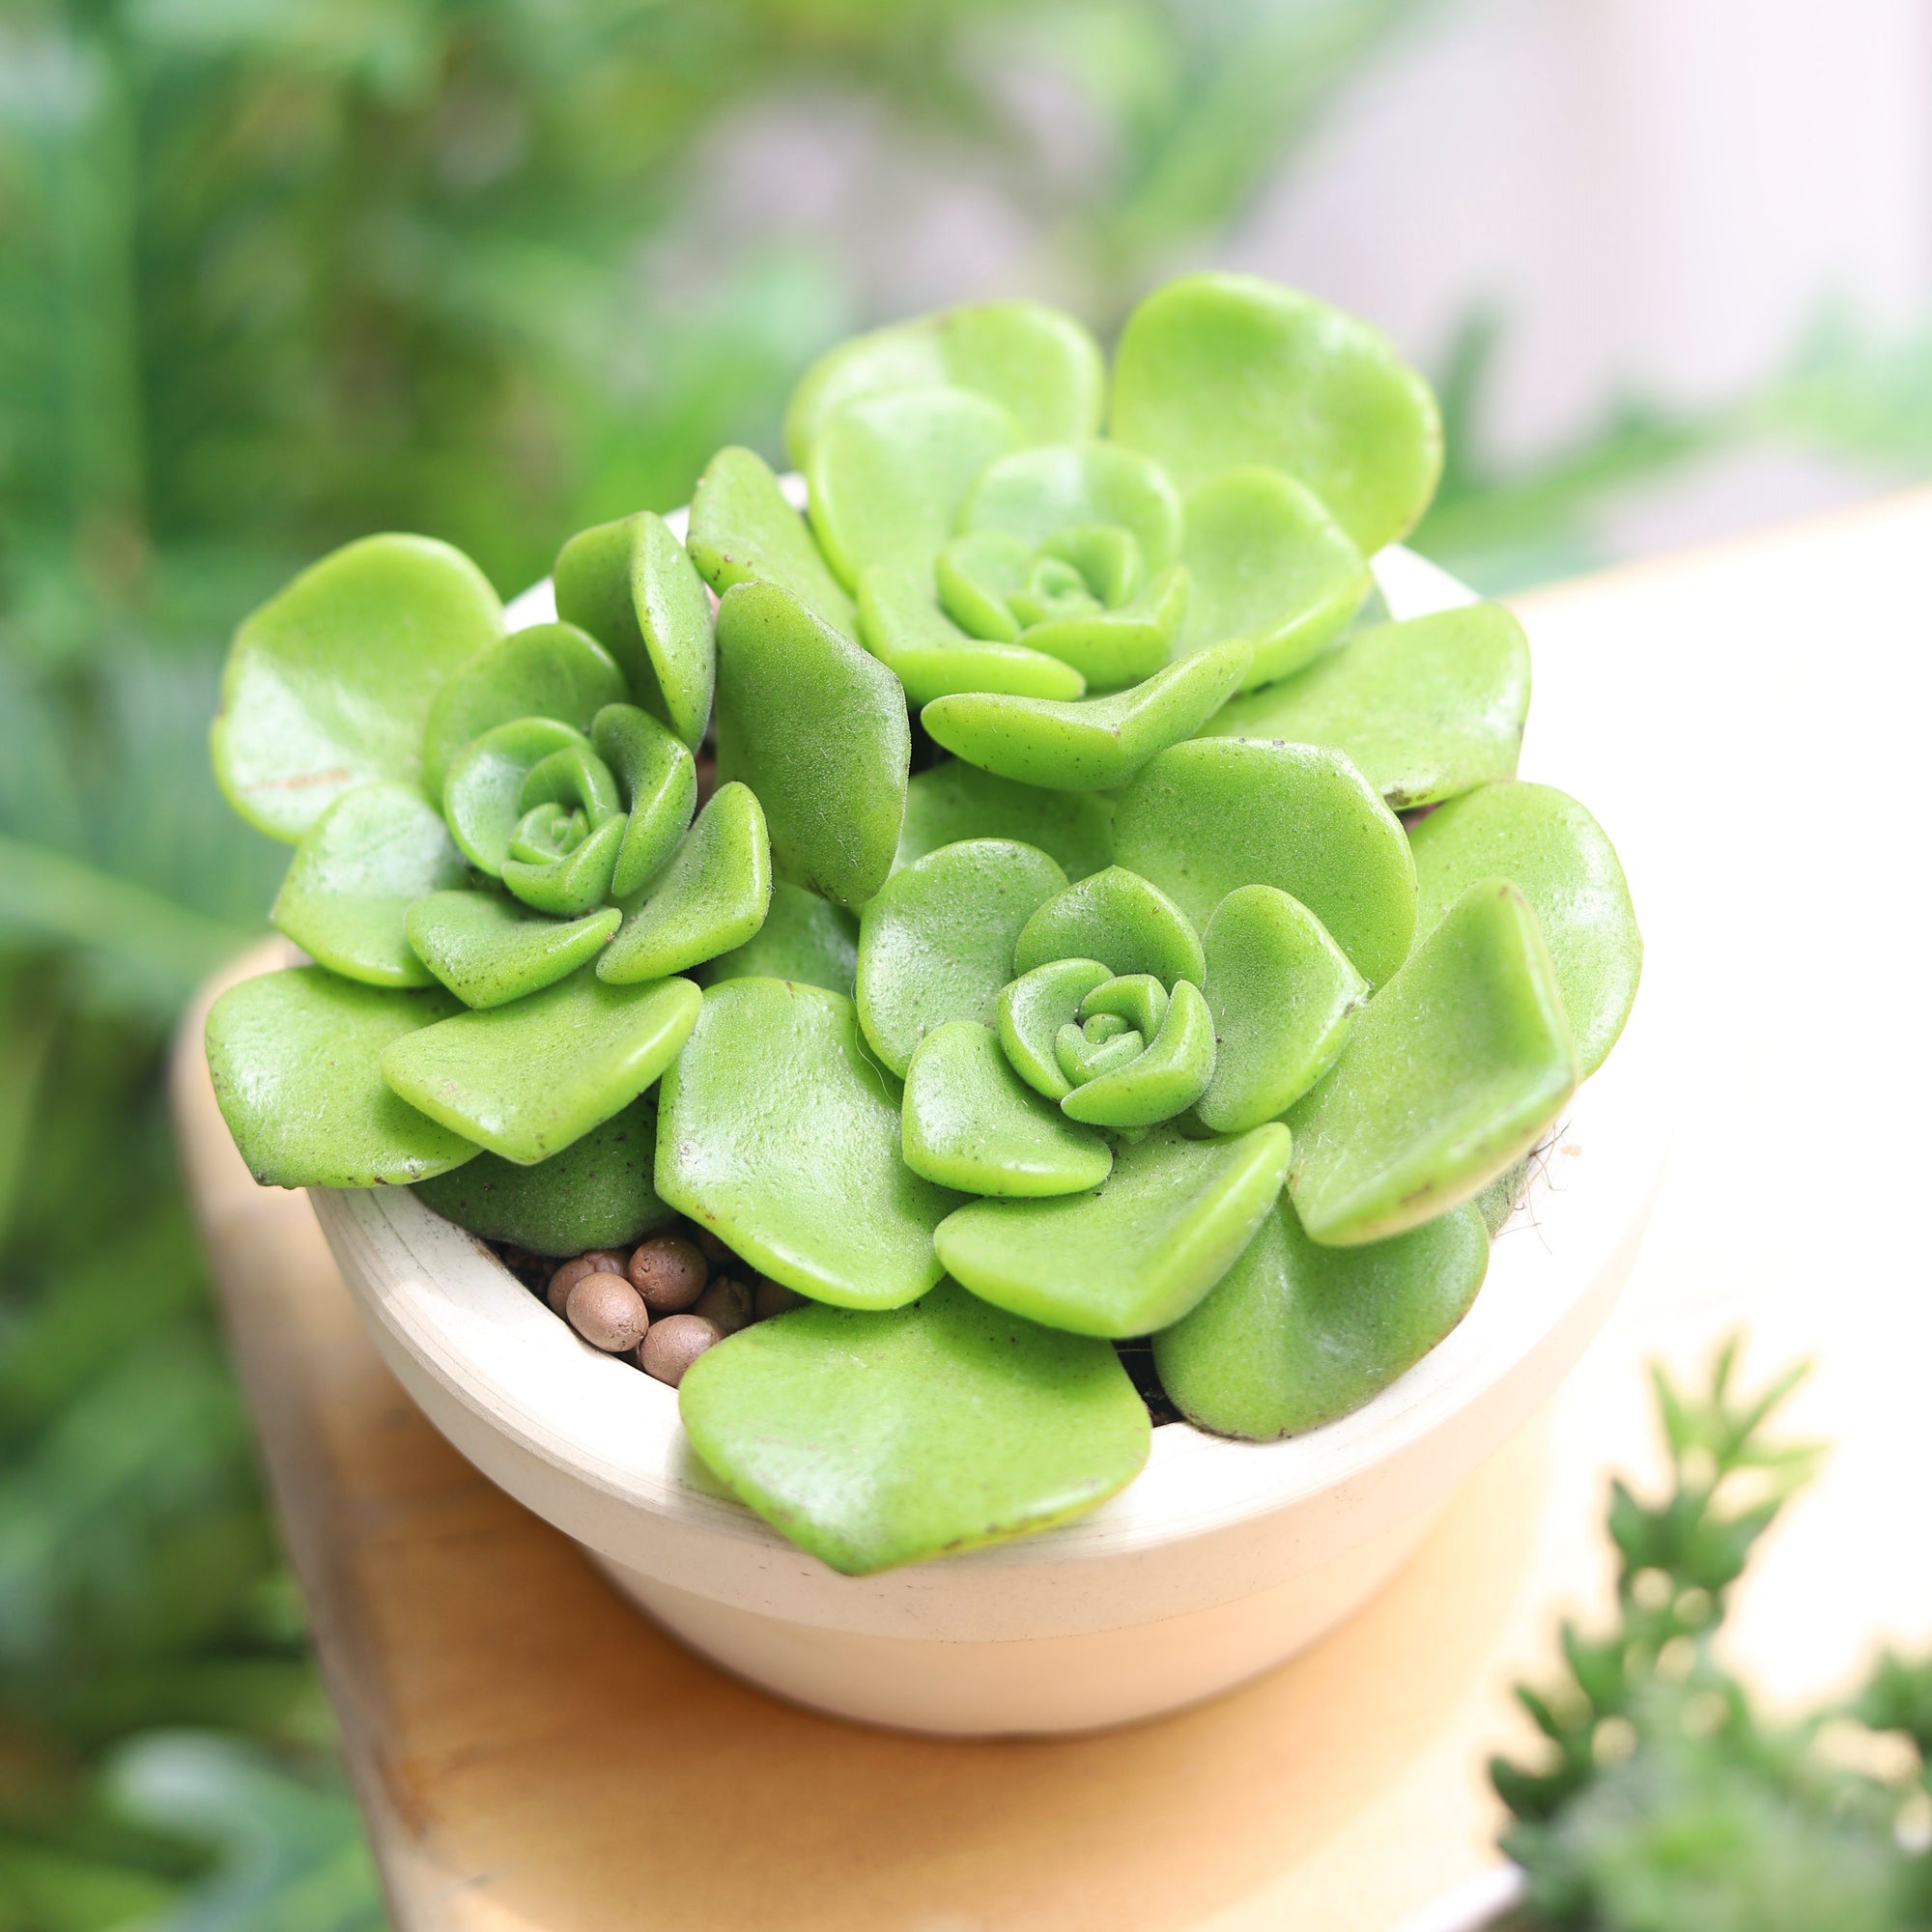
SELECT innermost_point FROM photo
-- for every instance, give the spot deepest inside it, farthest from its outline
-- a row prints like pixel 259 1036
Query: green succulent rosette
pixel 1044 965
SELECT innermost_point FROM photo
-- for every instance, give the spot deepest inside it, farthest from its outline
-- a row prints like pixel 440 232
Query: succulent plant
pixel 1140 1014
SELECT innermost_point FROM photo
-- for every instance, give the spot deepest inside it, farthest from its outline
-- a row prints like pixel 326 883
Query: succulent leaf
pixel 482 796
pixel 489 950
pixel 1119 918
pixel 931 656
pixel 953 800
pixel 657 779
pixel 742 530
pixel 804 938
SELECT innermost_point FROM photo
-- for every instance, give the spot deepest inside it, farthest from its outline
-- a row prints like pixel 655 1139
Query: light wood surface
pixel 1748 724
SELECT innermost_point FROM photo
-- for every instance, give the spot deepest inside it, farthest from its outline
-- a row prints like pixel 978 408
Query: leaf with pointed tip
pixel 936 944
pixel 597 1193
pixel 1556 855
pixel 1215 371
pixel 818 729
pixel 877 1439
pixel 482 797
pixel 349 886
pixel 1451 1072
pixel 1031 1011
pixel 573 883
pixel 631 585
pixel 1216 813
pixel 1425 709
pixel 971 1122
pixel 548 670
pixel 1283 995
pixel 330 684
pixel 743 530
pixel 887 475
pixel 1270 565
pixel 953 800
pixel 1297 1335
pixel 710 898
pixel 804 938
pixel 1166 1078
pixel 1091 744
pixel 931 656
pixel 526 1080
pixel 1037 362
pixel 780 1133
pixel 490 950
pixel 1135 1254
pixel 658 781
pixel 1115 647
pixel 1036 494
pixel 295 1056
pixel 1117 918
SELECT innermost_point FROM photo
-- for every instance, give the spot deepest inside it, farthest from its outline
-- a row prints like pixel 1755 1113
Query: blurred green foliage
pixel 278 272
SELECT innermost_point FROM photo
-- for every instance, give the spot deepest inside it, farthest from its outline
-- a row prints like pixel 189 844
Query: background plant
pixel 275 275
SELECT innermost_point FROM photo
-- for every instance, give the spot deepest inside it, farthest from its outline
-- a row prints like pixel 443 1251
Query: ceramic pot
pixel 1220 1559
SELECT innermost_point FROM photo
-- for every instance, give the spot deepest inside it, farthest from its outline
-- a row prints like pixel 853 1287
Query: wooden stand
pixel 532 1754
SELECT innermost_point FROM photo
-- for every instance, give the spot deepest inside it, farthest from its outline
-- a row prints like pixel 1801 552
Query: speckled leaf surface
pixel 804 938
pixel 1296 1334
pixel 953 800
pixel 330 684
pixel 295 1056
pixel 1136 1253
pixel 937 943
pixel 1550 848
pixel 1215 371
pixel 489 950
pixel 1424 709
pixel 657 779
pixel 1205 818
pixel 743 530
pixel 873 1440
pixel 779 1130
pixel 818 729
pixel 527 1080
pixel 971 1122
pixel 631 585
pixel 1450 1074
pixel 901 625
pixel 596 1193
pixel 1089 744
pixel 347 894
pixel 1283 995
pixel 1117 918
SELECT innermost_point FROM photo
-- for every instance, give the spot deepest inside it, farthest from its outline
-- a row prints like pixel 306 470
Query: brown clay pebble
pixel 668 1274
pixel 673 1344
pixel 607 1312
pixel 599 1261
pixel 727 1304
pixel 772 1298
pixel 715 1250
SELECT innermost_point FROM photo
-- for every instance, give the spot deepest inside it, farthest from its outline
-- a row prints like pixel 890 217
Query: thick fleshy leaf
pixel 1093 1051
pixel 490 950
pixel 1450 1074
pixel 1136 1253
pixel 888 473
pixel 1112 648
pixel 1270 565
pixel 804 938
pixel 710 898
pixel 1091 744
pixel 818 729
pixel 1108 557
pixel 1218 371
pixel 1138 999
pixel 1166 1078
pixel 631 585
pixel 937 943
pixel 1119 919
pixel 1036 494
pixel 1283 995
pixel 1297 1334
pixel 658 781
pixel 972 1123
pixel 295 1056
pixel 901 625
pixel 780 1133
pixel 330 684
pixel 873 1440
pixel 350 884
pixel 482 797
pixel 575 777
pixel 978 576
pixel 597 1193
pixel 1424 709
pixel 1037 363
pixel 548 670
pixel 528 1079
pixel 1221 813
pixel 574 883
pixel 743 530
pixel 1031 1011
pixel 1556 855
pixel 953 800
